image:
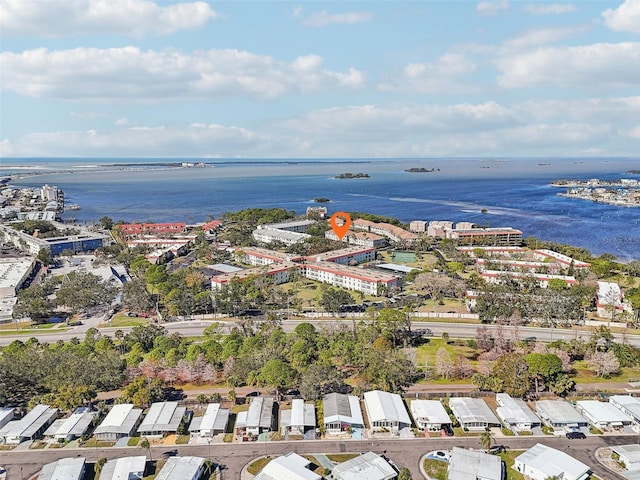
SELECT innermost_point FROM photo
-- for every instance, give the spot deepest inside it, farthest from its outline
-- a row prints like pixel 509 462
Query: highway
pixel 403 452
pixel 454 329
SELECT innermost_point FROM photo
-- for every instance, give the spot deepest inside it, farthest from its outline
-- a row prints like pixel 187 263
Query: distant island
pixel 348 176
pixel 596 182
pixel 321 200
pixel 422 170
pixel 634 172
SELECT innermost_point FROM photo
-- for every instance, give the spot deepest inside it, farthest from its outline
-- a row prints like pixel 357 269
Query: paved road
pixel 455 330
pixel 404 453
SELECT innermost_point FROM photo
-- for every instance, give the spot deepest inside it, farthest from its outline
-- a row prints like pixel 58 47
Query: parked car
pixel 576 435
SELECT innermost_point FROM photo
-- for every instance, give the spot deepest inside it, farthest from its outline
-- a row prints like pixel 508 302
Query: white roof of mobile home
pixel 551 462
pixel 75 425
pixel 468 410
pixel 514 410
pixel 120 419
pixel 559 411
pixel 162 417
pixel 28 425
pixel 473 465
pixel 603 412
pixel 631 405
pixel 300 414
pixel 63 469
pixel 367 466
pixel 123 468
pixel 385 406
pixel 6 414
pixel 215 418
pixel 431 411
pixel 180 468
pixel 290 466
pixel 342 408
pixel 260 412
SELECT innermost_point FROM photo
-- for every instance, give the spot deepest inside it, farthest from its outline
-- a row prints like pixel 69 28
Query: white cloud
pixel 549 8
pixel 437 77
pixel 597 66
pixel 547 127
pixel 625 18
pixel 324 18
pixel 87 115
pixel 128 17
pixel 541 36
pixel 128 73
pixel 492 8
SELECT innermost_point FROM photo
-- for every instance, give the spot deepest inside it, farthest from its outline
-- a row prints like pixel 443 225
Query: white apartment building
pixel 268 235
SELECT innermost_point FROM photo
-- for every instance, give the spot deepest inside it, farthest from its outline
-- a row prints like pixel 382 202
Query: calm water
pixel 515 192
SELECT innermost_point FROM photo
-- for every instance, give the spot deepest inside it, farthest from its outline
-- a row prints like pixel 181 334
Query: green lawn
pixel 120 320
pixel 508 458
pixel 429 350
pixel 436 469
pixel 258 465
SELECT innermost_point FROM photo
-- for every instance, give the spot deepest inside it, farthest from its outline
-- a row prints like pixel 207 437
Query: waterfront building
pixel 268 235
pixel 162 418
pixel 559 414
pixel 492 251
pixel 182 468
pixel 541 462
pixel 124 468
pixel 418 226
pixel 262 256
pixel 65 468
pixel 29 427
pixel 298 226
pixel 341 412
pixel 473 414
pixel 386 410
pixel 429 415
pixel 392 232
pixel 138 229
pixel 289 466
pixel 368 281
pixel 566 261
pixel 318 212
pixel 120 422
pixel 66 429
pixel 505 236
pixel 299 418
pixel 609 300
pixel 438 228
pixel 519 265
pixel 474 465
pixel 214 421
pixel 515 413
pixel 603 415
pixel 345 256
pixel 368 466
pixel 84 242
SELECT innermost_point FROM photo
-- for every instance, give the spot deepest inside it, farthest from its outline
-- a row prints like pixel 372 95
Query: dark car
pixel 496 449
pixel 576 435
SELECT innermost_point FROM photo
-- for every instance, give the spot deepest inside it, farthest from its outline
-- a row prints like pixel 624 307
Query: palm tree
pixel 144 443
pixel 486 439
pixel 97 467
pixel 208 463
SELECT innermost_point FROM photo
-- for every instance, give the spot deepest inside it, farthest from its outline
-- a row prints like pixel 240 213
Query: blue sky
pixel 304 79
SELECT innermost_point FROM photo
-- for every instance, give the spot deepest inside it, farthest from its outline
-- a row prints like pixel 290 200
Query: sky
pixel 311 79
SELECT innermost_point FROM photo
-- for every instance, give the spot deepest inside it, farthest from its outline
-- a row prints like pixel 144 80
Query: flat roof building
pixel 280 272
pixel 120 422
pixel 504 236
pixel 429 415
pixel 259 418
pixel 6 415
pixel 363 239
pixel 341 412
pixel 298 226
pixel 162 418
pixel 345 256
pixel 29 427
pixel 66 429
pixel 13 273
pixel 182 468
pixel 290 466
pixel 352 278
pixel 392 232
pixel 386 410
pixel 299 418
pixel 627 404
pixel 258 256
pixel 367 466
pixel 269 235
pixel 64 469
pixel 603 415
pixel 474 465
pixel 558 413
pixel 515 413
pixel 629 454
pixel 125 468
pixel 473 413
pixel 541 462
pixel 214 421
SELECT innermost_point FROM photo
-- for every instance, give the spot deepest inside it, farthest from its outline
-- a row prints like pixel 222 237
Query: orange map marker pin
pixel 340 230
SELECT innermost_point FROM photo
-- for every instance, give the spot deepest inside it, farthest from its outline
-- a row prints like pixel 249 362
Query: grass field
pixel 120 320
pixel 508 458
